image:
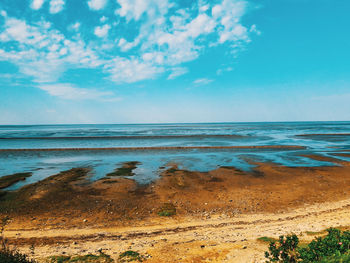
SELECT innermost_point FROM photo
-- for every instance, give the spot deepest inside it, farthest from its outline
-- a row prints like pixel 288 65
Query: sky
pixel 164 61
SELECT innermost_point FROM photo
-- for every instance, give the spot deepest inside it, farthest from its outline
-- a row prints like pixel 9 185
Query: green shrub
pixel 284 250
pixel 130 255
pixel 334 247
pixel 335 242
pixel 13 256
pixel 8 255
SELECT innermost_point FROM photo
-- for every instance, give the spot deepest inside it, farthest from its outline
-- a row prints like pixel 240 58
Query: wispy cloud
pixel 222 70
pixel 176 72
pixel 67 91
pixel 203 81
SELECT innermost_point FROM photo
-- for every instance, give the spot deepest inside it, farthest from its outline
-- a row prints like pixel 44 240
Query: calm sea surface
pixel 90 143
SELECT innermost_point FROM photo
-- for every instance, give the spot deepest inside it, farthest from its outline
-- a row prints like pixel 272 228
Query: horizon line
pixel 164 123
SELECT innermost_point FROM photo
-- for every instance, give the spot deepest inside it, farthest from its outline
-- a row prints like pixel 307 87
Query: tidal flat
pixel 185 199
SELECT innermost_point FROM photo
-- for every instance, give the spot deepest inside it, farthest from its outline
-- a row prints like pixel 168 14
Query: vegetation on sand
pixel 8 255
pixel 334 247
pixel 129 256
pixel 167 209
pixel 89 258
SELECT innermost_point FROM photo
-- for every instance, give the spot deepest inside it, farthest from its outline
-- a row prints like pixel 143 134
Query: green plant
pixel 335 242
pixel 267 239
pixel 167 209
pixel 130 255
pixel 8 255
pixel 334 247
pixel 89 258
pixel 284 250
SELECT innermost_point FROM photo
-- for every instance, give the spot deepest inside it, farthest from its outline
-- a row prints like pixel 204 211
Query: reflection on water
pixel 46 163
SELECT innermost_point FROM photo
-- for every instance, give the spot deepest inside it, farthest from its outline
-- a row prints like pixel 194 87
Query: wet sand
pixel 219 214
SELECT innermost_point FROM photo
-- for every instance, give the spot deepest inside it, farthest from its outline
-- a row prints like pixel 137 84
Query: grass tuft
pixel 129 256
pixel 168 209
pixel 89 258
pixel 267 239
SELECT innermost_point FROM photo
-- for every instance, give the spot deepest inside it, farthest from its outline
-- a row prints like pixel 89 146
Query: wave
pixel 272 147
pixel 128 137
pixel 323 134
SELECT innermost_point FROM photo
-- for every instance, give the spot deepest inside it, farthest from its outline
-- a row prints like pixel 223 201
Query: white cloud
pixel 42 52
pixel 254 29
pixel 222 70
pixel 167 37
pixel 56 6
pixel 134 9
pixel 203 81
pixel 74 26
pixel 131 70
pixel 97 4
pixel 36 4
pixel 68 92
pixel 126 46
pixel 102 31
pixel 176 72
pixel 3 13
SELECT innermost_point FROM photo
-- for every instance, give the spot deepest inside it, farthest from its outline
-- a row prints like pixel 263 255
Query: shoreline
pixel 223 210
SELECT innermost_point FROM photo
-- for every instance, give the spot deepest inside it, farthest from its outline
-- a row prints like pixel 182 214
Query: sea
pixel 46 150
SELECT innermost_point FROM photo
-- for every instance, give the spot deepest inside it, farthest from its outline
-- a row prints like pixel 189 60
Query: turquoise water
pixel 323 138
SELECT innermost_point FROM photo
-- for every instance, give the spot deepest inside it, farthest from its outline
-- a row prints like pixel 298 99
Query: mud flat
pixel 212 216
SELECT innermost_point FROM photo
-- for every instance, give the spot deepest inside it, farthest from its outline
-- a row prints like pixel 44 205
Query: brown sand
pixel 219 216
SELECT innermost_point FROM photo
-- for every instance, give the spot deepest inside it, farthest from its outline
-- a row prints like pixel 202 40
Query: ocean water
pixel 45 150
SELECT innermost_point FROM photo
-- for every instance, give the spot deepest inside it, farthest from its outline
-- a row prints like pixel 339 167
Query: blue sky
pixel 137 61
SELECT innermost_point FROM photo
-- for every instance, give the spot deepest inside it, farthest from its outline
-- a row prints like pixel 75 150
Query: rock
pixel 85 220
pixel 244 247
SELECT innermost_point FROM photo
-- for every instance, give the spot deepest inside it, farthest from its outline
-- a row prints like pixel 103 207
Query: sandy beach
pixel 184 216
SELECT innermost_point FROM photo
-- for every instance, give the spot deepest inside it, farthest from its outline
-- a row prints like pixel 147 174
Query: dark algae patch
pixel 9 180
pixel 126 170
pixel 44 195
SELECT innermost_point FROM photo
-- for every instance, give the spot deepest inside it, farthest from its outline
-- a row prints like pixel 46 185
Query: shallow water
pixel 101 162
